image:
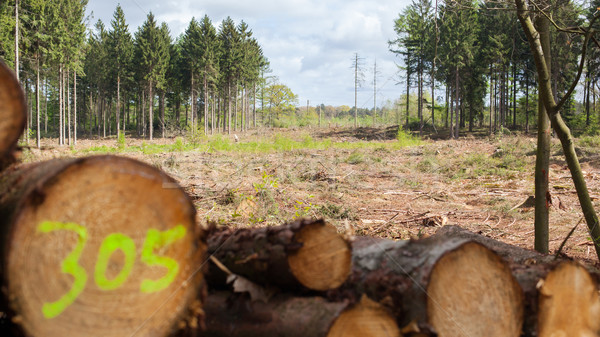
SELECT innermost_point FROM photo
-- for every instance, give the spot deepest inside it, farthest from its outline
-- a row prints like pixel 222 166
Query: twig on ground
pixel 567 238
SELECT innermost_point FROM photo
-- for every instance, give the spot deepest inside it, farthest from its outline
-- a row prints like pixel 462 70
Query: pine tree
pixel 35 38
pixel 153 51
pixel 209 61
pixel 120 50
pixel 96 62
pixel 229 39
pixel 192 53
pixel 7 31
pixel 458 46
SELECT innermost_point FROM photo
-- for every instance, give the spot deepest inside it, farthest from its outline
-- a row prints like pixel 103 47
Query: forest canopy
pixel 108 79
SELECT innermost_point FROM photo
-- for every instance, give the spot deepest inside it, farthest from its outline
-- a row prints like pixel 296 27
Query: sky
pixel 310 44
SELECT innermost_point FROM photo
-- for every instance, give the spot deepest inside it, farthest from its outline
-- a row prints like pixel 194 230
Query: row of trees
pixel 106 80
pixel 478 51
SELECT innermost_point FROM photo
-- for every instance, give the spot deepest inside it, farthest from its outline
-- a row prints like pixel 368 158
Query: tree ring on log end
pixel 366 318
pixel 472 292
pixel 568 303
pixel 102 246
pixel 325 259
pixel 13 111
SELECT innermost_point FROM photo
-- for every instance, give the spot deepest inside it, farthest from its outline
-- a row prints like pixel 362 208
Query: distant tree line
pixel 106 80
pixel 478 52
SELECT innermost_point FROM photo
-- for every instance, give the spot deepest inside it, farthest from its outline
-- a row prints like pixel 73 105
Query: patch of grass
pixel 100 149
pixel 405 138
pixel 230 197
pixel 195 136
pixel 276 143
pixel 171 162
pixel 178 145
pixel 590 141
pixel 121 144
pixel 355 158
pixel 411 183
pixel 428 164
pixel 333 211
pixel 507 160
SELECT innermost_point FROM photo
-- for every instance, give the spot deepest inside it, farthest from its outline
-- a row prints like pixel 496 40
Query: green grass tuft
pixel 276 143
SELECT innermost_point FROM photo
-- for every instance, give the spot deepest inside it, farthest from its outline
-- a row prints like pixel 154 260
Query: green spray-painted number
pixel 70 265
pixel 109 246
pixel 155 240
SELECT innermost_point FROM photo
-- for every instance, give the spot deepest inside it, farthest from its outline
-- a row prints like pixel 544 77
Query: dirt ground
pixel 482 184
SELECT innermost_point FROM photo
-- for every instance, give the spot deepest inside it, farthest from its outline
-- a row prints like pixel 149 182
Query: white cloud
pixel 309 43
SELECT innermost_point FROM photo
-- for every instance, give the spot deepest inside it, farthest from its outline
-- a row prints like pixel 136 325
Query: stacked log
pixel 13 115
pixel 229 315
pixel 561 296
pixel 300 260
pixel 304 254
pixel 449 286
pixel 454 283
pixel 103 246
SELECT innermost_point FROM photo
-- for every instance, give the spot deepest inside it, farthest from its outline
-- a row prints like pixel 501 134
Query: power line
pixel 140 7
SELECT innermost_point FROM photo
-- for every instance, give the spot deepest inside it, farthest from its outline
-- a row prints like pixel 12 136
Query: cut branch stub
pixel 302 254
pixel 103 246
pixel 568 303
pixel 13 113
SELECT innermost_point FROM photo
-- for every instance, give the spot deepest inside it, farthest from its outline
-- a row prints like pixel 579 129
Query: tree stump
pixel 451 286
pixel 13 114
pixel 302 254
pixel 233 315
pixel 99 246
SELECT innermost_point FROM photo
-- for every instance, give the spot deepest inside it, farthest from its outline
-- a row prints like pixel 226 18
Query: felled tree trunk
pixel 451 286
pixel 300 255
pixel 510 253
pixel 13 114
pixel 229 315
pixel 560 296
pixel 99 246
pixel 568 303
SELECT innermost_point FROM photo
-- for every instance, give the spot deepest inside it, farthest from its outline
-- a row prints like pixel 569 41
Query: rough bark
pixel 150 110
pixel 94 240
pixel 13 114
pixel 232 315
pixel 542 162
pixel 510 253
pixel 438 284
pixel 302 254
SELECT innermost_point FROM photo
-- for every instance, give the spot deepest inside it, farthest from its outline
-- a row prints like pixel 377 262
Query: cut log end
pixel 473 293
pixel 108 247
pixel 366 318
pixel 568 303
pixel 12 112
pixel 325 259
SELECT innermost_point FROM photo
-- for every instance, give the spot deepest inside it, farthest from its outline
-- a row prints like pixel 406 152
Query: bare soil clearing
pixel 481 184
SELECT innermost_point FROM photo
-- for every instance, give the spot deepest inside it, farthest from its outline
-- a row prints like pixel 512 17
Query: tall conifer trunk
pixel 150 110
